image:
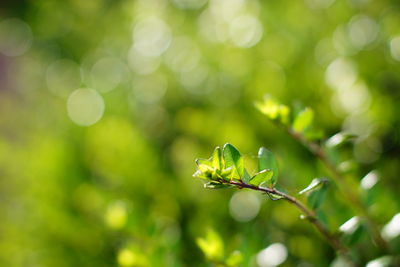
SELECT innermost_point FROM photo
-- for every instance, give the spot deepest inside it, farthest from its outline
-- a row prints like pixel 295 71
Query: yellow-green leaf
pixel 262 177
pixel 233 158
pixel 303 120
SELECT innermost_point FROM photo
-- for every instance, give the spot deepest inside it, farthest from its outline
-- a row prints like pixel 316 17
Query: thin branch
pixel 340 179
pixel 309 215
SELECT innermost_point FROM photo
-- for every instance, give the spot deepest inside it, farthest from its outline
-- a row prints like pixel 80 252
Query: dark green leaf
pixel 316 197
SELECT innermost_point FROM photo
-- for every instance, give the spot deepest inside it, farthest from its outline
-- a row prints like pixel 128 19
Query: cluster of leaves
pixel 299 121
pixel 227 164
pixel 213 248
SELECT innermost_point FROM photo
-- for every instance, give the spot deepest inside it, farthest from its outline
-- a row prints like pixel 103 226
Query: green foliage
pixel 168 80
pixel 234 160
pixel 212 247
pixel 274 110
pixel 267 161
pixel 230 167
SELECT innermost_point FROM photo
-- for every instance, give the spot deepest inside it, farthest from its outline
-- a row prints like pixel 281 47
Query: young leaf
pixel 266 160
pixel 202 175
pixel 303 120
pixel 204 165
pixel 233 158
pixel 216 159
pixel 284 112
pixel 268 107
pixel 262 177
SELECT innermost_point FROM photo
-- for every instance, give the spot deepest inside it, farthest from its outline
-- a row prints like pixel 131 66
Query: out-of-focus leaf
pixel 303 120
pixel 262 177
pixel 315 198
pixel 211 245
pixel 233 158
pixel 234 259
pixel 321 216
pixel 353 238
pixel 274 110
pixel 313 134
pixel 384 261
pixel 315 184
pixel 268 107
pixel 339 139
pixel 266 160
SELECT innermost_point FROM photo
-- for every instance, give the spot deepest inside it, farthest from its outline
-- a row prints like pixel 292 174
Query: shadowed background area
pixel 105 105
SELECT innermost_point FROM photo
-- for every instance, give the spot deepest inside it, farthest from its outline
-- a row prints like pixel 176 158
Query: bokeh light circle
pixel 15 37
pixel 85 106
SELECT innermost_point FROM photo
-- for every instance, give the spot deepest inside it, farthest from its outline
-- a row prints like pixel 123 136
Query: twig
pixel 309 215
pixel 340 179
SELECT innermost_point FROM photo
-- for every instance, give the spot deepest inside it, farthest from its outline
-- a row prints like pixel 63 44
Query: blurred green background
pixel 106 103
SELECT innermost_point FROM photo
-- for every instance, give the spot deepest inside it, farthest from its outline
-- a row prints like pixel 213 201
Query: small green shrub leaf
pixel 266 160
pixel 233 158
pixel 216 159
pixel 262 177
pixel 246 177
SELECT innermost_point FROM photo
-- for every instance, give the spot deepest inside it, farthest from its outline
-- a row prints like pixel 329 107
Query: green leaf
pixel 314 185
pixel 202 175
pixel 268 107
pixel 266 160
pixel 233 158
pixel 262 177
pixel 246 177
pixel 234 259
pixel 303 120
pixel 212 246
pixel 284 112
pixel 316 197
pixel 216 159
pixel 213 185
pixel 205 165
